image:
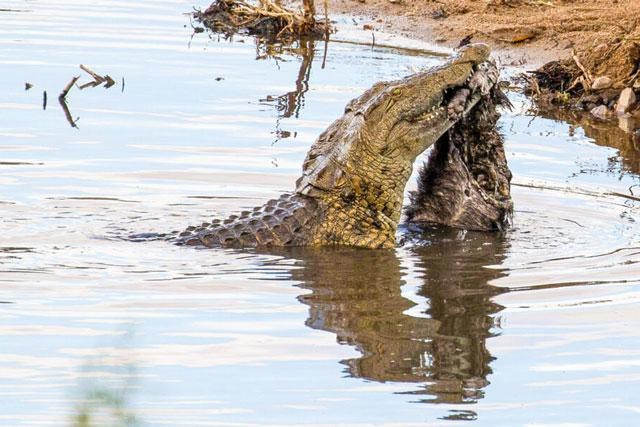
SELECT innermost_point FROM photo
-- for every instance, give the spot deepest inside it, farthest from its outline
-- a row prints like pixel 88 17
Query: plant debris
pixel 605 74
pixel 62 99
pixel 267 19
pixel 97 81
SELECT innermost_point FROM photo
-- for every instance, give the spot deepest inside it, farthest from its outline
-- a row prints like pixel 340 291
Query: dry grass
pixel 267 18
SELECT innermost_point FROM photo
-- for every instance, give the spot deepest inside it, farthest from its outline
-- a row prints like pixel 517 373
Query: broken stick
pixel 109 80
pixel 68 87
pixel 97 77
pixel 586 73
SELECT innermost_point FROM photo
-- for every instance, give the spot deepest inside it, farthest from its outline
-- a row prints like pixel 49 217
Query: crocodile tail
pixel 287 221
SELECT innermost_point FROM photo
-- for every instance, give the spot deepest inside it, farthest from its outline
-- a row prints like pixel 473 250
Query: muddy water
pixel 535 326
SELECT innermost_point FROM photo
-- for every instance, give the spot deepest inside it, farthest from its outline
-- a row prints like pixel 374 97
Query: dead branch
pixel 97 77
pixel 68 87
pixel 88 84
pixel 586 73
pixel 109 81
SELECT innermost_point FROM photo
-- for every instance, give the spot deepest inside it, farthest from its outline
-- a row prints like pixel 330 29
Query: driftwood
pixel 68 87
pixel 97 79
pixel 62 98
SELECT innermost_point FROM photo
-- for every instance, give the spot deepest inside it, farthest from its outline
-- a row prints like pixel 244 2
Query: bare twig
pixel 626 196
pixel 582 80
pixel 109 80
pixel 97 77
pixel 577 191
pixel 634 76
pixel 62 99
pixel 68 87
pixel 582 68
pixel 326 18
pixel 88 84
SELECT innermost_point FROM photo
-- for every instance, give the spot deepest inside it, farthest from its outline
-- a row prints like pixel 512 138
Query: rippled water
pixel 536 326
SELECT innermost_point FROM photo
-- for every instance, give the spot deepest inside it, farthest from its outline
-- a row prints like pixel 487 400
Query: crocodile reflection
pixel 358 296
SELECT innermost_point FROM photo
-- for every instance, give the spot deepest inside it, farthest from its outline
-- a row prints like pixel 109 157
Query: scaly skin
pixel 351 189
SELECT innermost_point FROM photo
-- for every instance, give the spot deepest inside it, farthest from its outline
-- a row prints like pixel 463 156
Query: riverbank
pixel 539 31
pixel 588 51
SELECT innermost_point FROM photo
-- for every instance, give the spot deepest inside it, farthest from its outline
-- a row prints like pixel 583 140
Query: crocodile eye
pixel 397 92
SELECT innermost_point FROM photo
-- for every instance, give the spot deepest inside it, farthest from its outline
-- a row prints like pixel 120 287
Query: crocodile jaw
pixel 393 122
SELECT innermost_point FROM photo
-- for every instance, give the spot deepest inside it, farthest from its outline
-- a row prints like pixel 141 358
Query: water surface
pixel 536 326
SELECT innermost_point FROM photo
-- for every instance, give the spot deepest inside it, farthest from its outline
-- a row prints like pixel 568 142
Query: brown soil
pixel 550 28
pixel 604 36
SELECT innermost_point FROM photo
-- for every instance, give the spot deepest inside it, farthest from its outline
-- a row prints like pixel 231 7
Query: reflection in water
pixel 67 114
pixel 358 295
pixel 220 337
pixel 290 103
pixel 456 283
pixel 624 137
pixel 98 80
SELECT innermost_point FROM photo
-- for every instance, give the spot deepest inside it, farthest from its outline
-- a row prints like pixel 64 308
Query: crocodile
pixel 353 179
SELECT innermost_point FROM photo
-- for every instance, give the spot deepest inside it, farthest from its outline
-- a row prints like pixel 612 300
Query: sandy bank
pixel 581 43
pixel 536 31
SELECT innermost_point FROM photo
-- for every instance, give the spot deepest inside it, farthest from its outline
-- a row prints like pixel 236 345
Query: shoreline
pixel 568 55
pixel 583 44
pixel 403 20
pixel 536 31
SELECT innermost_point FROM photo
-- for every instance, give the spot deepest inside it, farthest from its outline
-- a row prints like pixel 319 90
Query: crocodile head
pixel 360 165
